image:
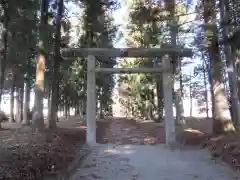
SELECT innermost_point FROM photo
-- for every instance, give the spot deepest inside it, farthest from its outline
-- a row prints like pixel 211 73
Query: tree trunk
pixel 49 103
pixel 38 119
pixel 177 106
pixel 205 87
pixel 159 98
pixel 191 96
pixel 11 118
pixel 84 105
pixel 237 66
pixel 234 102
pixel 5 49
pixel 77 113
pixel 181 94
pixel 171 7
pixel 26 120
pixel 221 114
pixel 21 93
pixel 27 92
pixel 66 106
pixel 101 104
pixel 56 66
pixel 66 111
pixel 18 106
pixel 62 109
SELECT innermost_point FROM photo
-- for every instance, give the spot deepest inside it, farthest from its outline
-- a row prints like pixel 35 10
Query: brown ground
pixel 25 156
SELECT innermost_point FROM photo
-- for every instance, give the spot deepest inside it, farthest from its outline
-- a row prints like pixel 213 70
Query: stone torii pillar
pixel 169 125
pixel 91 100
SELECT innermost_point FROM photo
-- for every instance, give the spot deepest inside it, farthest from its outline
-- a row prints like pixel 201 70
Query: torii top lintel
pixel 125 52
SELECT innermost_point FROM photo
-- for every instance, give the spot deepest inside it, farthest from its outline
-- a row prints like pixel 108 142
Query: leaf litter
pixel 26 155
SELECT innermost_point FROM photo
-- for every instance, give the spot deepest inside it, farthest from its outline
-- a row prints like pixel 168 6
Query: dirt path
pixel 123 158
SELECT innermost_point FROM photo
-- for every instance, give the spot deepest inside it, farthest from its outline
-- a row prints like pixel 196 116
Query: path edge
pixel 80 156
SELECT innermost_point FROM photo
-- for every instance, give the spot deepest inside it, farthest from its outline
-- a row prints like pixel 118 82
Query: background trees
pixel 33 32
pixel 183 23
pixel 33 64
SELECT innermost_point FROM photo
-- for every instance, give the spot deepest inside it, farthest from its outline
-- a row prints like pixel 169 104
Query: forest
pixel 33 33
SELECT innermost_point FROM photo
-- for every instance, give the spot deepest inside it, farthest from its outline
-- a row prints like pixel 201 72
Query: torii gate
pixel 165 68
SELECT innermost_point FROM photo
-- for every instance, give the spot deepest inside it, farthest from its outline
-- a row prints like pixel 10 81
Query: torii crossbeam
pixel 164 68
pixel 125 52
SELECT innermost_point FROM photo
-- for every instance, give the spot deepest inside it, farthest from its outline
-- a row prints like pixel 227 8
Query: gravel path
pixel 142 162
